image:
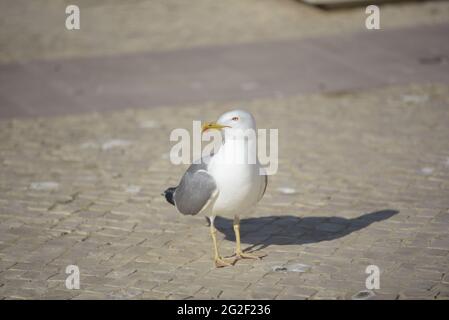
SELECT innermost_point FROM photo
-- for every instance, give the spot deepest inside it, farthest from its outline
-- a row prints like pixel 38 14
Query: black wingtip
pixel 168 194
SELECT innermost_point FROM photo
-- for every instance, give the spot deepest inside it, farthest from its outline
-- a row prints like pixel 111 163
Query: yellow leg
pixel 238 249
pixel 218 260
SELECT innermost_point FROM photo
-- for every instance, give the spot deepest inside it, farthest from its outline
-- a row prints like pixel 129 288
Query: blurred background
pixel 149 53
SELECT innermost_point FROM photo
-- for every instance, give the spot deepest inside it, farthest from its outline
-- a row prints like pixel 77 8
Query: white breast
pixel 238 182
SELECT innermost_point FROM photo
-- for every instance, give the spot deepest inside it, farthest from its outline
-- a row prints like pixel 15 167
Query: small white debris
pixel 148 124
pixel 416 99
pixel 363 295
pixel 115 143
pixel 427 170
pixel 47 185
pixel 132 189
pixel 298 267
pixel 286 190
pixel 279 269
pixel 292 267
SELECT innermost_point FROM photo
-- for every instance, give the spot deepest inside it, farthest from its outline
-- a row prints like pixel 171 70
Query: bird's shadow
pixel 262 232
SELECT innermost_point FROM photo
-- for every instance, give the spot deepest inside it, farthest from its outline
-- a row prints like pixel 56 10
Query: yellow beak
pixel 212 125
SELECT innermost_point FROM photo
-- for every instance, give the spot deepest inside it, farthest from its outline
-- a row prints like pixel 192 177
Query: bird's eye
pixel 235 119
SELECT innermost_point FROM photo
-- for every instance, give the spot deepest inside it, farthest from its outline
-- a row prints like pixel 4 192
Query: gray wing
pixel 196 189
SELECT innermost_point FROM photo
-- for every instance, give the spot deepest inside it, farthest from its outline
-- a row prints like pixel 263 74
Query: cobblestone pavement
pixel 363 179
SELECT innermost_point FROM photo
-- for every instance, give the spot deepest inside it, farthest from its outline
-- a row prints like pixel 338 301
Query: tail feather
pixel 168 194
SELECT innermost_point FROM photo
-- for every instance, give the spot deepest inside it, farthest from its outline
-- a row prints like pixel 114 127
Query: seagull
pixel 228 183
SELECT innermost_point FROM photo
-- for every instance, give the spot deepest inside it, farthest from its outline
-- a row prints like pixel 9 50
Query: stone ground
pixel 363 180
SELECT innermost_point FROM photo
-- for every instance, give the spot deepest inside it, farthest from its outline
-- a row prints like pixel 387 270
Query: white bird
pixel 228 183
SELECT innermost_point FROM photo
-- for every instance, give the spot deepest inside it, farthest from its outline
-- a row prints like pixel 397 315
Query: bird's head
pixel 231 120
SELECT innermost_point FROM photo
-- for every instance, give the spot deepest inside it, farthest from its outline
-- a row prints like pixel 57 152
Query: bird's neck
pixel 238 150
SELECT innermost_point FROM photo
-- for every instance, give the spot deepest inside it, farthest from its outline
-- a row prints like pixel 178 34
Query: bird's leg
pixel 218 260
pixel 238 249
